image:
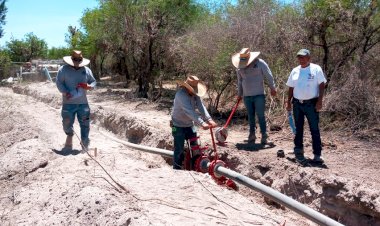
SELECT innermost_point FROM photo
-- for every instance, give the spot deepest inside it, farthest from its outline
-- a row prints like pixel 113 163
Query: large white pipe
pixel 160 151
pixel 292 204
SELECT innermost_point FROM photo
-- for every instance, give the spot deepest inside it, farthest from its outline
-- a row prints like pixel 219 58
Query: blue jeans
pixel 300 110
pixel 256 105
pixel 83 114
pixel 181 134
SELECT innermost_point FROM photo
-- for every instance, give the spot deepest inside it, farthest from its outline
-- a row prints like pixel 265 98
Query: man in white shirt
pixel 306 85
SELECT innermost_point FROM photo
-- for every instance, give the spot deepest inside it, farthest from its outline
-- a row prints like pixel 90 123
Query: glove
pixel 84 86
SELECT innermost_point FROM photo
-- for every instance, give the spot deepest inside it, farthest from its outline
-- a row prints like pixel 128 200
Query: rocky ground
pixel 40 184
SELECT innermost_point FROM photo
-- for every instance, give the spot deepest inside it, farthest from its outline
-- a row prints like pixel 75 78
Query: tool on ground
pixel 221 133
pixel 291 122
pixel 281 153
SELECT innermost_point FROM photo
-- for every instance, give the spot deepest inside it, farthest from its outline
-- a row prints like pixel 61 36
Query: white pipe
pixel 292 204
pixel 160 151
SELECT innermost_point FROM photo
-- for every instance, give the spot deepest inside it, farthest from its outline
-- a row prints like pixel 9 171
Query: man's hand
pixel 273 92
pixel 205 126
pixel 318 106
pixel 68 95
pixel 84 86
pixel 288 106
pixel 211 123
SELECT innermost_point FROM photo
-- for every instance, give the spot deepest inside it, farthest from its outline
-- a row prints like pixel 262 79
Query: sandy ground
pixel 41 184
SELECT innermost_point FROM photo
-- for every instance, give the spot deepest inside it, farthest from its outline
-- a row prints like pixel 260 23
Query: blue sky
pixel 47 19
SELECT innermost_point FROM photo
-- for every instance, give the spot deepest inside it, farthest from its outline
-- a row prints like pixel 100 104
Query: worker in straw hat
pixel 74 80
pixel 252 73
pixel 185 118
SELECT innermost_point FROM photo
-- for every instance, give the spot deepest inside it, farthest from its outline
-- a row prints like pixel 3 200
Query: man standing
pixel 184 116
pixel 306 87
pixel 252 72
pixel 73 81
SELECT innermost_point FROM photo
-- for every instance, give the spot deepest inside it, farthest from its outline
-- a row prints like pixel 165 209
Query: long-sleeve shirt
pixel 68 79
pixel 251 79
pixel 184 110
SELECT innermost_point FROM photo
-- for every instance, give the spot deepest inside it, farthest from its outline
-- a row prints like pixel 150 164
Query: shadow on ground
pixel 66 151
pixel 309 163
pixel 253 147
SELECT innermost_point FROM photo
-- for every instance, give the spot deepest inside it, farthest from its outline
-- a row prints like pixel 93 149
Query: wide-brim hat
pixel 244 58
pixel 194 85
pixel 75 55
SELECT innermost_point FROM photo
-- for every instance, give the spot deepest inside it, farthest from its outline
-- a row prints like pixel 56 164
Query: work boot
pixel 302 160
pixel 318 159
pixel 251 138
pixel 264 139
pixel 69 142
pixel 85 146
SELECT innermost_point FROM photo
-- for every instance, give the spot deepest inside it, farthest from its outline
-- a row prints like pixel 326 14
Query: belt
pixel 304 101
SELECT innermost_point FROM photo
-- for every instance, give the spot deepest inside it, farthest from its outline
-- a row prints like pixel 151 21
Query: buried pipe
pixel 160 151
pixel 219 170
pixel 292 204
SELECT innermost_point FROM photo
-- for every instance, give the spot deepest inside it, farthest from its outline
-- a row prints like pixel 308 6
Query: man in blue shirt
pixel 252 72
pixel 74 80
pixel 185 118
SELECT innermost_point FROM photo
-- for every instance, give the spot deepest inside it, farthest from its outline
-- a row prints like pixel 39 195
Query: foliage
pixel 58 53
pixel 5 63
pixel 73 37
pixel 147 41
pixel 25 50
pixel 3 11
pixel 136 34
pixel 342 30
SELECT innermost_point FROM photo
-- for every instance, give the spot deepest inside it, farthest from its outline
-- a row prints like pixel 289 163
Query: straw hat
pixel 244 58
pixel 194 85
pixel 76 55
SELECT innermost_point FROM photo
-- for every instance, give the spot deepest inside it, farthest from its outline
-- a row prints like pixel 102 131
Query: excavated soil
pixel 41 184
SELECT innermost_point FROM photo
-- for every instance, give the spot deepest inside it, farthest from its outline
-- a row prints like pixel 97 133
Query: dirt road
pixel 42 185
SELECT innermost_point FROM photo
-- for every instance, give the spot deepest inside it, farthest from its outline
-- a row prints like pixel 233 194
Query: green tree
pixel 3 11
pixel 5 64
pixel 343 30
pixel 25 50
pixel 73 37
pixel 58 53
pixel 137 34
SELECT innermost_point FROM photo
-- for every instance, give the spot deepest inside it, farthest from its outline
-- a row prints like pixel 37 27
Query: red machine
pixel 198 158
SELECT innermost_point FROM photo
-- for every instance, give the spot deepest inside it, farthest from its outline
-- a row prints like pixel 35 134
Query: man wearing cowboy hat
pixel 252 72
pixel 74 80
pixel 185 117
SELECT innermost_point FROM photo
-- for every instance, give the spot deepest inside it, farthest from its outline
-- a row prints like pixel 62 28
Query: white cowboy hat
pixel 244 58
pixel 194 85
pixel 76 56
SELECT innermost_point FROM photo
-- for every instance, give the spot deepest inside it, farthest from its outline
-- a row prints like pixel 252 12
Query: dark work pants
pixel 180 134
pixel 300 110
